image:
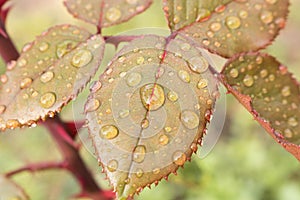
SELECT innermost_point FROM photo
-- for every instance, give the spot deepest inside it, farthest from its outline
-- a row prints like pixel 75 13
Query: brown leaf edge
pixel 101 15
pixel 246 101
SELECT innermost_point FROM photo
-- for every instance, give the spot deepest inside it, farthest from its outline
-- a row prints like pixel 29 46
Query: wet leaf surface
pixel 10 190
pixel 239 26
pixel 270 93
pixel 50 72
pixel 105 13
pixel 149 110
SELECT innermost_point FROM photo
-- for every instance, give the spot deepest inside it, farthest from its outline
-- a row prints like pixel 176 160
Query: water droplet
pixel 47 100
pixel 185 47
pixel 82 58
pixel 194 147
pixel 234 73
pixel 65 47
pixel 233 22
pixel 47 76
pixel 139 153
pixel 152 96
pixel 113 14
pixel 22 62
pixel 243 14
pixel 139 173
pixel 109 132
pixel 179 158
pixel 202 84
pixel 44 46
pixel 163 139
pixel 259 60
pixel 133 79
pixel 124 113
pixel 292 122
pixel 198 64
pixel 11 65
pixel 140 60
pixel 26 82
pixel 95 86
pixel 189 119
pixel 3 78
pixel 145 123
pixel 184 76
pixel 271 1
pixel 2 109
pixel 288 133
pixel 127 181
pixel 286 91
pixel 248 80
pixel 172 96
pixel 112 165
pixel 176 19
pixel 215 26
pixel 12 123
pixel 92 105
pixel 266 17
pixel 156 171
pixel 132 2
pixel 263 73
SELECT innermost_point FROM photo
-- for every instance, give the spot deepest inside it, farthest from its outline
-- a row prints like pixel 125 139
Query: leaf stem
pixel 8 50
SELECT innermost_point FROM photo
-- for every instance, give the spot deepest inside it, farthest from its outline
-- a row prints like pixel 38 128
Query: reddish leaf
pixel 105 13
pixel 181 13
pixel 240 26
pixel 10 190
pixel 270 93
pixel 149 110
pixel 49 73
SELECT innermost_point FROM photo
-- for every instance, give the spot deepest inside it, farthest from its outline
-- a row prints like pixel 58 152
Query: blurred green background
pixel 245 164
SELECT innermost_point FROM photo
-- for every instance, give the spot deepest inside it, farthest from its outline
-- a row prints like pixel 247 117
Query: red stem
pixel 8 50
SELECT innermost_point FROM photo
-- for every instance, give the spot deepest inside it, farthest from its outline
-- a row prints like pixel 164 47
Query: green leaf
pixel 149 110
pixel 239 26
pixel 105 13
pixel 270 93
pixel 49 73
pixel 10 190
pixel 181 13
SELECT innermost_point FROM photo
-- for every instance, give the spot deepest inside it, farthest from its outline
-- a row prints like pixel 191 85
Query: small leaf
pixel 10 190
pixel 105 13
pixel 149 110
pixel 270 93
pixel 50 72
pixel 181 13
pixel 239 26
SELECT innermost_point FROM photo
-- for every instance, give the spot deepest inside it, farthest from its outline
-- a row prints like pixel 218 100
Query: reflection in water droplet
pixel 44 46
pixel 189 119
pixel 112 165
pixel 109 132
pixel 233 22
pixel 139 153
pixel 133 79
pixel 65 47
pixel 81 58
pixel 184 76
pixel 152 96
pixel 92 105
pixel 248 80
pixel 179 158
pixel 172 96
pixel 163 139
pixel 25 83
pixel 47 100
pixel 47 76
pixel 113 14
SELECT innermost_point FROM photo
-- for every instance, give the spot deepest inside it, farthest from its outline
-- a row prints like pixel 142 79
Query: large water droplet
pixel 139 153
pixel 152 96
pixel 189 119
pixel 109 132
pixel 92 105
pixel 184 76
pixel 112 165
pixel 233 22
pixel 113 14
pixel 179 158
pixel 198 64
pixel 47 76
pixel 47 100
pixel 82 58
pixel 248 80
pixel 133 79
pixel 65 47
pixel 163 139
pixel 25 83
